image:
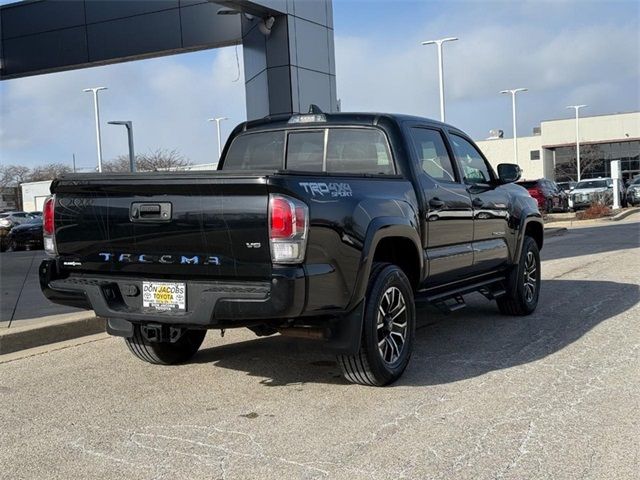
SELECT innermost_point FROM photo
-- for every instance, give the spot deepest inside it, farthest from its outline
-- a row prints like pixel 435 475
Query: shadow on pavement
pixel 451 347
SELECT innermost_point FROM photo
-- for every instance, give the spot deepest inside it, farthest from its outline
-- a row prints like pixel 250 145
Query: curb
pixel 624 214
pixel 554 231
pixel 53 329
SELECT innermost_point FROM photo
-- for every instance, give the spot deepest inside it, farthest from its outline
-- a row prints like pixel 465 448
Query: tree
pixel 13 175
pixel 48 172
pixel 592 162
pixel 118 164
pixel 161 159
pixel 156 160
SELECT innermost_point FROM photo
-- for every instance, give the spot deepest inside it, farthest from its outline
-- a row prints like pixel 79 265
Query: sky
pixel 564 51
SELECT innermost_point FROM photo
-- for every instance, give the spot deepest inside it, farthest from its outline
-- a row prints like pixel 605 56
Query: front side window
pixel 432 154
pixel 473 167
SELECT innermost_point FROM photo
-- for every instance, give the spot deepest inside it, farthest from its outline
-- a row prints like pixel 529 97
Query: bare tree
pixel 13 175
pixel 118 164
pixel 591 162
pixel 156 160
pixel 161 159
pixel 48 172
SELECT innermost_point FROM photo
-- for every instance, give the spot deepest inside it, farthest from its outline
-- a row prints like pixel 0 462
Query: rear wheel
pixel 165 353
pixel 549 206
pixel 388 330
pixel 523 282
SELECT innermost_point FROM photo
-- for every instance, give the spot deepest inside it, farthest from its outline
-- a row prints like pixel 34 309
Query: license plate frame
pixel 164 297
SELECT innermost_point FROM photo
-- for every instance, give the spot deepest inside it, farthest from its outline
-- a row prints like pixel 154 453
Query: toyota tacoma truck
pixel 321 226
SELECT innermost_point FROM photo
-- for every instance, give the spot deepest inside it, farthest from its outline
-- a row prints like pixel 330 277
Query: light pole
pixel 218 120
pixel 513 109
pixel 132 155
pixel 438 44
pixel 577 109
pixel 96 109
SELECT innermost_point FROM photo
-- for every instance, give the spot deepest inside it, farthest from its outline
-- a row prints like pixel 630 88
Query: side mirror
pixel 509 172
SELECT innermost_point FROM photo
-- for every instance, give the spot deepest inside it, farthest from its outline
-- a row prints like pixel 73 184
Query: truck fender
pixel 378 229
pixel 524 223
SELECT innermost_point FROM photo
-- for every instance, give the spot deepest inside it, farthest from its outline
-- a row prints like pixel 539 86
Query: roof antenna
pixel 313 108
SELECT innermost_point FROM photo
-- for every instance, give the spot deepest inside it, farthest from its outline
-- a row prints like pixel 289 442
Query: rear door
pixel 490 205
pixel 447 215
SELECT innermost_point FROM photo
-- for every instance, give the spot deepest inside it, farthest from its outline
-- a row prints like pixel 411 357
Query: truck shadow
pixel 452 347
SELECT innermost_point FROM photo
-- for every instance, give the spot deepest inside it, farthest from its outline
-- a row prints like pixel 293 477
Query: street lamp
pixel 513 111
pixel 439 43
pixel 577 109
pixel 218 120
pixel 132 155
pixel 96 109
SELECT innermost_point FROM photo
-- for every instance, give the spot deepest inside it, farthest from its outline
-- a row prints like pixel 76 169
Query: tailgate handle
pixel 150 212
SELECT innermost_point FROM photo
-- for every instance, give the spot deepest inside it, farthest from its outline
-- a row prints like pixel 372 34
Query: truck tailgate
pixel 164 225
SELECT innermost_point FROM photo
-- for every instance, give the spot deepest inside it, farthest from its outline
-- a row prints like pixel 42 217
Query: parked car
pixel 593 190
pixel 325 227
pixel 8 220
pixel 27 235
pixel 550 197
pixel 567 186
pixel 633 192
pixel 35 214
pixel 14 218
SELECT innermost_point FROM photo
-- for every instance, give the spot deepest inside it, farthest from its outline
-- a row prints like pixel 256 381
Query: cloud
pixel 47 118
pixel 564 52
pixel 594 60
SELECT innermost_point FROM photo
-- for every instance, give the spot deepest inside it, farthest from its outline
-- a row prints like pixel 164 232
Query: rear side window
pixel 256 151
pixel 432 154
pixel 358 151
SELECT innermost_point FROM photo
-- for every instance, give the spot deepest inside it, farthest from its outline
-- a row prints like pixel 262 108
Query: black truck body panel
pixel 216 235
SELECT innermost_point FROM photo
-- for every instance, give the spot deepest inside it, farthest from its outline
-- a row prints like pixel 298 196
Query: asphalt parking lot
pixel 22 298
pixel 552 395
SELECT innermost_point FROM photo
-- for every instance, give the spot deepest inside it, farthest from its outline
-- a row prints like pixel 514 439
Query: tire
pixel 549 205
pixel 523 282
pixel 165 353
pixel 380 360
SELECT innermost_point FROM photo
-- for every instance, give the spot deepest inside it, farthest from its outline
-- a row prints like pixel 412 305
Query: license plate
pixel 164 296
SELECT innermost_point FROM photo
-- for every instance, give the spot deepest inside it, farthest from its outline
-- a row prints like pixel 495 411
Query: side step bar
pixel 452 299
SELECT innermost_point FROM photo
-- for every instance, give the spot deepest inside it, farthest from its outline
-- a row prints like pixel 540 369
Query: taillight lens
pixel 288 229
pixel 535 192
pixel 49 226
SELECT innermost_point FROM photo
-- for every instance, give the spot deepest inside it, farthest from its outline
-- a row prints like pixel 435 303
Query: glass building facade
pixel 595 160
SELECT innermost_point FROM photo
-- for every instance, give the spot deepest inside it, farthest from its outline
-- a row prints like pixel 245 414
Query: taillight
pixel 49 226
pixel 535 192
pixel 288 228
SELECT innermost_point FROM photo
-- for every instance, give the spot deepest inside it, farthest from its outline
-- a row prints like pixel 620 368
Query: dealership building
pixel 551 151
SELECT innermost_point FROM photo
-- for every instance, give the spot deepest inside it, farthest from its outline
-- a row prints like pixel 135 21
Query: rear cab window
pixel 362 150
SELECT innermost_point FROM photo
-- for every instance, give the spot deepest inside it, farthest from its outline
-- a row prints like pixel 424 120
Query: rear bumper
pixel 209 303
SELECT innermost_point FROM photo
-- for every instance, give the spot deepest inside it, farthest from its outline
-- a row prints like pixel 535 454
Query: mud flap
pixel 346 333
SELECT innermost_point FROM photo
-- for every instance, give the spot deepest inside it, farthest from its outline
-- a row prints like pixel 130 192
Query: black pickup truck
pixel 322 226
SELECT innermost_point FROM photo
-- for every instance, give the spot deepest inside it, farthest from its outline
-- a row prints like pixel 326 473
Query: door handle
pixel 150 212
pixel 477 202
pixel 436 203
